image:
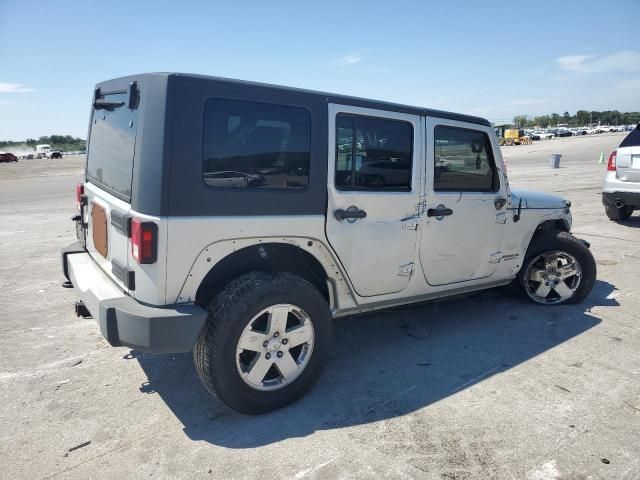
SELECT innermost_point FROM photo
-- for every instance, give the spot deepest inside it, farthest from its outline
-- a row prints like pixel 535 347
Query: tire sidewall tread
pixel 229 312
pixel 546 240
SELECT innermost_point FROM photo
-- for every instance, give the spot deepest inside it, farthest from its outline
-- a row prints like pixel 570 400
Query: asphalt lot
pixel 486 386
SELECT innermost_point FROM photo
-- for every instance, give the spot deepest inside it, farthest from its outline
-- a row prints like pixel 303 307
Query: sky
pixel 492 59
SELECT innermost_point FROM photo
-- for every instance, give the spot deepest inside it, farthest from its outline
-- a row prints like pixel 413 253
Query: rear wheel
pixel 508 141
pixel 618 213
pixel 265 342
pixel 558 268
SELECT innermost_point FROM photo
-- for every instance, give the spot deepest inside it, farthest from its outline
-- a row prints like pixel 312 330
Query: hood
pixel 533 199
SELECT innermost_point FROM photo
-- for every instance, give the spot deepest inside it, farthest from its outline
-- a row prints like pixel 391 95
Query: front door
pixel 466 203
pixel 374 181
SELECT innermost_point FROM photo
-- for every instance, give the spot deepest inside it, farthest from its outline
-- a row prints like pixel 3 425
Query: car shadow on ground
pixel 633 221
pixel 384 365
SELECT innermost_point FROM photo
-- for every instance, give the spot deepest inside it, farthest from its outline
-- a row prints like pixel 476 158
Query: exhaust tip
pixel 618 203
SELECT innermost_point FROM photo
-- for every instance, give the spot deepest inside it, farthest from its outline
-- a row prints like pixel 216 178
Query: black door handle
pixel 439 212
pixel 351 212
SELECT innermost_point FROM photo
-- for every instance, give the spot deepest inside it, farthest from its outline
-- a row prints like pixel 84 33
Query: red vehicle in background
pixel 8 157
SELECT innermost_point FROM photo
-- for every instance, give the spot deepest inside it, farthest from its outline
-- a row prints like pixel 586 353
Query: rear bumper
pixel 125 322
pixel 631 199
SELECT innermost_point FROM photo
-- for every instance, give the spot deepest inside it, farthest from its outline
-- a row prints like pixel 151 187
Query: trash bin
pixel 554 160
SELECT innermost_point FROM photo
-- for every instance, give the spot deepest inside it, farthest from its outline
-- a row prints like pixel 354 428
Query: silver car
pixel 621 190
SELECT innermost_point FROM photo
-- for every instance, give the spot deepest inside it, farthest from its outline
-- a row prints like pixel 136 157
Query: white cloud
pixel 349 60
pixel 14 88
pixel 626 61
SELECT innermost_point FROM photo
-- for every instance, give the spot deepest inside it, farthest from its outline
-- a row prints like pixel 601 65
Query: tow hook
pixel 82 310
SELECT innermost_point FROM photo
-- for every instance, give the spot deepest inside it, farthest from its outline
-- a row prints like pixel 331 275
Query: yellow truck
pixel 511 136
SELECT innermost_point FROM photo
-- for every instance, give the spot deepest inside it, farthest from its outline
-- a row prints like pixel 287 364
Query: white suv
pixel 336 206
pixel 621 191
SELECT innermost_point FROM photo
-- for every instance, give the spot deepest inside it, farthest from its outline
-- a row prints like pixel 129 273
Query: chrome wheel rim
pixel 275 347
pixel 552 277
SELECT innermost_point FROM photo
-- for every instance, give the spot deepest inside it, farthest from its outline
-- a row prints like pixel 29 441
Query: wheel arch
pixel 554 224
pixel 220 263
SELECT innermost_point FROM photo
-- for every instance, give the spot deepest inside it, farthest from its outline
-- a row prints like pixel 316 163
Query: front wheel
pixel 265 342
pixel 558 268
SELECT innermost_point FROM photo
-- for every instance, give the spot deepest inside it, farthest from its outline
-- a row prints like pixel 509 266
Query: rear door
pixel 110 157
pixel 374 181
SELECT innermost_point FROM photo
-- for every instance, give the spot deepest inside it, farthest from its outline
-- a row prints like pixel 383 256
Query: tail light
pixel 79 194
pixel 612 161
pixel 144 241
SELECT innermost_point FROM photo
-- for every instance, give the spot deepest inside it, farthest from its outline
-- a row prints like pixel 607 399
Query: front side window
pixel 463 161
pixel 373 153
pixel 256 145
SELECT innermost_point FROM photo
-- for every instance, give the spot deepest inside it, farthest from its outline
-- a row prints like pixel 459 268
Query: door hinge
pixel 405 270
pixel 495 257
pixel 501 218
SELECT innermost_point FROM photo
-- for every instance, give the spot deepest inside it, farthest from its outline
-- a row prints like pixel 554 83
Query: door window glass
pixel 373 153
pixel 463 161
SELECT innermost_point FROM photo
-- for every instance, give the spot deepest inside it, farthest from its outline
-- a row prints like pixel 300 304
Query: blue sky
pixel 483 58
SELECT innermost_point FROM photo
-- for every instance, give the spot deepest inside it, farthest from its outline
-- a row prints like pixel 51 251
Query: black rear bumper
pixel 631 199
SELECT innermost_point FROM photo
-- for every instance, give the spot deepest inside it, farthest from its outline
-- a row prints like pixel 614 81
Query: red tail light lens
pixel 79 194
pixel 612 161
pixel 144 241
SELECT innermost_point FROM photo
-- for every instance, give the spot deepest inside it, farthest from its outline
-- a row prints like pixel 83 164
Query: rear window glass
pixel 256 145
pixel 112 145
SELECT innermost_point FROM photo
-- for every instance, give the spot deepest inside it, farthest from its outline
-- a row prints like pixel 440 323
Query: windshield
pixel 112 145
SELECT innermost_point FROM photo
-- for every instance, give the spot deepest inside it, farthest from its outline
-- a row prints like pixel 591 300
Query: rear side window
pixel 256 145
pixel 373 153
pixel 463 161
pixel 112 144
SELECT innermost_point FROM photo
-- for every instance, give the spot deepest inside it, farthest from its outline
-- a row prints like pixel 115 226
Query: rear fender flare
pixel 341 294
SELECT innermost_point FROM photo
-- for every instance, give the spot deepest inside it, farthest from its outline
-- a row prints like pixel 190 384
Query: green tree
pixel 582 117
pixel 520 120
pixel 566 118
pixel 555 118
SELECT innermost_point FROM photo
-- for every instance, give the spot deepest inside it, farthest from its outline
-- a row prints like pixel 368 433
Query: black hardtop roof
pixel 328 97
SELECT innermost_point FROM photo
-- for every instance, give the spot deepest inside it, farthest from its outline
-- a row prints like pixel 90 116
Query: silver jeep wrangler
pixel 237 220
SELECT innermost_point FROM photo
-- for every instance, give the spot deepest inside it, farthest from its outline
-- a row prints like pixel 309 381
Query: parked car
pixel 54 154
pixel 544 134
pixel 250 279
pixel 621 190
pixel 8 157
pixel 534 136
pixel 561 132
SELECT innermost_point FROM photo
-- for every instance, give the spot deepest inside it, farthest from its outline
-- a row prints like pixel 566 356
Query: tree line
pixel 64 143
pixel 580 119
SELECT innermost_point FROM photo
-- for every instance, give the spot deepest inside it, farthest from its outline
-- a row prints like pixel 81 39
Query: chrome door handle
pixel 350 213
pixel 500 202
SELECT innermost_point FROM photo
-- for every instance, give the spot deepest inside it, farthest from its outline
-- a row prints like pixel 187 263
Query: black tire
pixel 616 214
pixel 229 313
pixel 549 240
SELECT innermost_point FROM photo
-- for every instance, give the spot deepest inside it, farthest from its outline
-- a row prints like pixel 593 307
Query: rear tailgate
pixel 110 158
pixel 628 158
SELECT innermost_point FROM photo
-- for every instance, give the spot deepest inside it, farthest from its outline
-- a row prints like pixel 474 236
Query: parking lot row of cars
pixel 569 132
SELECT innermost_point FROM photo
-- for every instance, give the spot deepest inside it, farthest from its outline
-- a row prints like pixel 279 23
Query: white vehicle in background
pixel 544 134
pixel 621 190
pixel 45 151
